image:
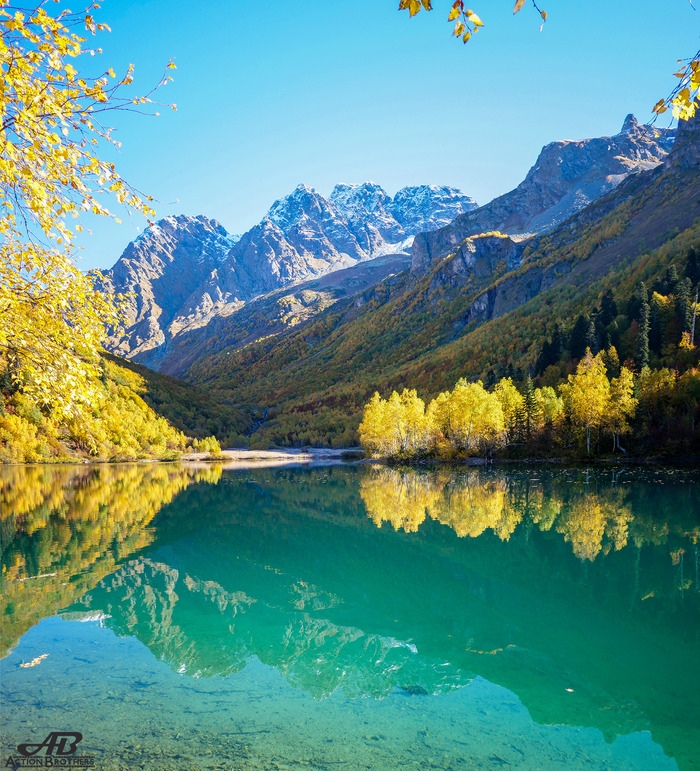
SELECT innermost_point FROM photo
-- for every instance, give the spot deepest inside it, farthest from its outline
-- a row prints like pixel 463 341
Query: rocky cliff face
pixel 161 269
pixel 489 257
pixel 686 149
pixel 480 257
pixel 185 271
pixel 566 177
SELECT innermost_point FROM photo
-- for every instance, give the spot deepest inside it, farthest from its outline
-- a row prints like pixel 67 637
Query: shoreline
pixel 653 460
pixel 229 459
pixel 232 458
pixel 240 459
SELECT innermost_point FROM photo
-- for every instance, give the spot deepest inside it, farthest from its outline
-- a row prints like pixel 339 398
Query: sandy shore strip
pixel 258 458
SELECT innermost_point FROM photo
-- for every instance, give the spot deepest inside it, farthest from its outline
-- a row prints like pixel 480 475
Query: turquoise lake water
pixel 353 617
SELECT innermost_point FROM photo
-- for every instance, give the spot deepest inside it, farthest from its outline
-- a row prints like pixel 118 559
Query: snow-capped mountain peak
pixel 303 203
pixel 428 207
pixel 184 271
pixel 358 200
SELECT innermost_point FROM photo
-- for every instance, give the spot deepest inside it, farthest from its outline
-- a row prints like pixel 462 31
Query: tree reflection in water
pixel 64 528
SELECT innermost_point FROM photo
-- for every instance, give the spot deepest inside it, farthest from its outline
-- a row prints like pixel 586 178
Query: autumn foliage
pixel 591 408
pixel 52 319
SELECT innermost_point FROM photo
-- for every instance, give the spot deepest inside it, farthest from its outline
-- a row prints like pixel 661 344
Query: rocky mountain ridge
pixel 567 176
pixel 185 291
pixel 184 271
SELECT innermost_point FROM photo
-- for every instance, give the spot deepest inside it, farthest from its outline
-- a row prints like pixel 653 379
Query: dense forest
pixel 625 371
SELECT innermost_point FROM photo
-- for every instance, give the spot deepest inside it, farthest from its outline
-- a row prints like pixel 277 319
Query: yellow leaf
pixel 474 19
pixel 459 29
pixel 413 7
pixel 454 14
pixel 427 5
pixel 518 5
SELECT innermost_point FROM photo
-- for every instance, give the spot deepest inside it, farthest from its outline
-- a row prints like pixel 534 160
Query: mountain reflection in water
pixel 547 582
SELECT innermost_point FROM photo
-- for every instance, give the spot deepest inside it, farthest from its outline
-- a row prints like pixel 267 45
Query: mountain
pixel 567 176
pixel 296 324
pixel 161 269
pixel 412 210
pixel 485 306
pixel 186 271
pixel 276 312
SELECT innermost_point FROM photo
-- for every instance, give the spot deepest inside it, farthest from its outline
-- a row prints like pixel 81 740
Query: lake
pixel 350 617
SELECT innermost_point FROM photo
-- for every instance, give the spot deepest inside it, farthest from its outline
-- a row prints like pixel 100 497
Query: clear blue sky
pixel 324 91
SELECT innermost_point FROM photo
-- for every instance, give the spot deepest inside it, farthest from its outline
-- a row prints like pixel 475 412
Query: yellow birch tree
pixel 372 430
pixel 511 401
pixel 622 406
pixel 469 416
pixel 52 319
pixel 587 395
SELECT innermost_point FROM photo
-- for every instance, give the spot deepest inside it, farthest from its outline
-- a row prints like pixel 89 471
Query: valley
pixel 476 298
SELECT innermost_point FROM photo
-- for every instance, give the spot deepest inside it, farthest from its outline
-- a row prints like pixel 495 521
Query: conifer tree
pixel 578 337
pixel 511 403
pixel 655 329
pixel 591 339
pixel 642 353
pixel 670 282
pixel 558 342
pixel 611 361
pixel 608 308
pixel 684 310
pixel 692 268
pixel 520 424
pixel 531 408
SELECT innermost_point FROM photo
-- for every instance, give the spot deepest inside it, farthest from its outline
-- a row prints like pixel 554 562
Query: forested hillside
pixel 483 311
pixel 186 407
pixel 135 414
